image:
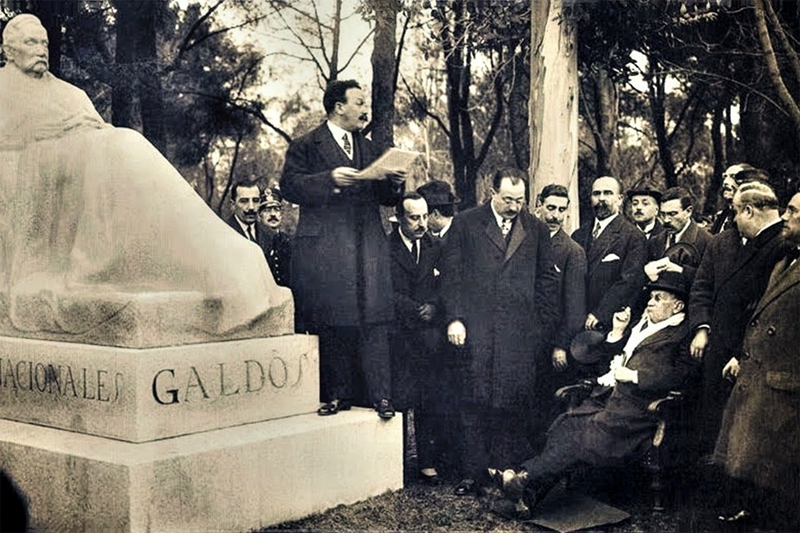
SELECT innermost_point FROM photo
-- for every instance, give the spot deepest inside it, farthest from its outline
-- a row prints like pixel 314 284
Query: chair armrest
pixel 573 394
pixel 666 409
pixel 664 405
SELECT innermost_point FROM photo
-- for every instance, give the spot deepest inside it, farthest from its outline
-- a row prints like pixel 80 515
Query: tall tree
pixel 554 102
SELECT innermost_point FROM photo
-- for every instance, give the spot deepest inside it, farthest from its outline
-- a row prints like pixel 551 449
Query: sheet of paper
pixel 392 160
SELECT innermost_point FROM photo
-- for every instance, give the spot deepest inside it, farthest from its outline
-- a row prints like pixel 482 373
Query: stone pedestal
pixel 205 437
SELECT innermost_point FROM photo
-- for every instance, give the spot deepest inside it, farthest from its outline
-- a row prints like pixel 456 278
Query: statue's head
pixel 25 45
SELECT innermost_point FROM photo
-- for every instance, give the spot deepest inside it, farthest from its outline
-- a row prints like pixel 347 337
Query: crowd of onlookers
pixel 469 321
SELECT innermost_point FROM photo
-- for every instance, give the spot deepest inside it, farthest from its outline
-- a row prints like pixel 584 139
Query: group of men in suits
pixel 485 300
pixel 733 305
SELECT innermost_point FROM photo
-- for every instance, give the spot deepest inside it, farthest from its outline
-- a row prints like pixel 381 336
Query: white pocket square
pixel 435 273
pixel 557 269
pixel 609 258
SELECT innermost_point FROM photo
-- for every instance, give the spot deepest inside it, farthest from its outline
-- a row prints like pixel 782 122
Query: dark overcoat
pixel 340 258
pixel 505 293
pixel 275 245
pixel 617 423
pixel 416 345
pixel 728 284
pixel 614 262
pixel 570 261
pixel 760 436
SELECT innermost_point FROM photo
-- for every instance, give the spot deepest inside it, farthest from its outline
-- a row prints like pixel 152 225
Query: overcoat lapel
pixel 329 149
pixel 781 280
pixel 518 235
pixel 751 250
pixel 660 336
pixel 401 253
pixel 492 230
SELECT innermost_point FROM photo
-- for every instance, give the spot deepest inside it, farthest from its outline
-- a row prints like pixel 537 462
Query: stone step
pixel 233 479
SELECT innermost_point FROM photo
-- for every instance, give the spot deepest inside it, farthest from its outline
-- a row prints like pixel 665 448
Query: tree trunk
pixel 553 104
pixel 337 29
pixel 657 89
pixel 709 205
pixel 518 106
pixel 790 103
pixel 383 74
pixel 606 111
pixel 458 79
pixel 137 56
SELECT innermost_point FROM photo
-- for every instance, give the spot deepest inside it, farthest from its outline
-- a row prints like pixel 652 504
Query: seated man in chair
pixel 614 423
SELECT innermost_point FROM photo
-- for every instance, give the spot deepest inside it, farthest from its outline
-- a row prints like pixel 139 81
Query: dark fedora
pixel 672 282
pixel 684 254
pixel 644 190
pixel 438 192
pixel 583 346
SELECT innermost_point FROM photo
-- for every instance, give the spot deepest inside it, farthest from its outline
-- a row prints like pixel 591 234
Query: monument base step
pixel 233 479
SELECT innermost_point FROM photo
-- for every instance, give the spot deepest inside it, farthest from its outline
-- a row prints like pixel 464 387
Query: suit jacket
pixel 340 258
pixel 615 262
pixel 505 292
pixel 618 423
pixel 275 246
pixel 658 229
pixel 416 345
pixel 694 234
pixel 415 284
pixel 570 261
pixel 728 284
pixel 760 436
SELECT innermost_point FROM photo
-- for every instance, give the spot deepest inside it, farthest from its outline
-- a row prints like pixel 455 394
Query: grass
pixel 424 507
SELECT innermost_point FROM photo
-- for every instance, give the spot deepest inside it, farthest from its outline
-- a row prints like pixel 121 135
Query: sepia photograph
pixel 400 266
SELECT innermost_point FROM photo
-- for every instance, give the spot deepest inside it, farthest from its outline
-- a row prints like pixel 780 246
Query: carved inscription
pixel 83 383
pixel 175 385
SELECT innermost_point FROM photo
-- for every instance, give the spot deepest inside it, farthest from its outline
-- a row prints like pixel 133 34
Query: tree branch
pixel 424 107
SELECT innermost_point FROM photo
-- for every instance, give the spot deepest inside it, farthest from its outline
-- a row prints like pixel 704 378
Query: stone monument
pixel 149 377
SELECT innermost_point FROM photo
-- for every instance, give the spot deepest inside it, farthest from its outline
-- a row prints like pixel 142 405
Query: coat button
pixel 754 322
pixel 771 331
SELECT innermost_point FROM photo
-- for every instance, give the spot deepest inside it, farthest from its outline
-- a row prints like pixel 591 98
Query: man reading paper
pixel 340 263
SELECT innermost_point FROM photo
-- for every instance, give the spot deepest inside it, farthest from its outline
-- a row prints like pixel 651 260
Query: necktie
pixel 415 251
pixel 670 240
pixel 347 148
pixel 250 233
pixel 505 227
pixel 596 230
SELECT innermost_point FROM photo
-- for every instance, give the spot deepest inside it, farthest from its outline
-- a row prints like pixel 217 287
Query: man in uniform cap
pixel 277 245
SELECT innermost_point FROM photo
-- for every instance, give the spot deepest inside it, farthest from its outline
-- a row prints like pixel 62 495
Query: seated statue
pixel 101 239
pixel 613 423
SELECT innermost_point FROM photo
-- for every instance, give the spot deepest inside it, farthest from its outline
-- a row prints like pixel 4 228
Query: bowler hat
pixel 272 197
pixel 583 344
pixel 672 282
pixel 644 190
pixel 438 192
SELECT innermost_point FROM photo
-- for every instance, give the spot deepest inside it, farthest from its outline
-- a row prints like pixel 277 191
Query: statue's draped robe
pixel 91 214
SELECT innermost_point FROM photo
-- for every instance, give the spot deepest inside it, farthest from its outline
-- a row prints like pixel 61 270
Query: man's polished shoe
pixel 429 475
pixel 385 409
pixel 333 407
pixel 466 487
